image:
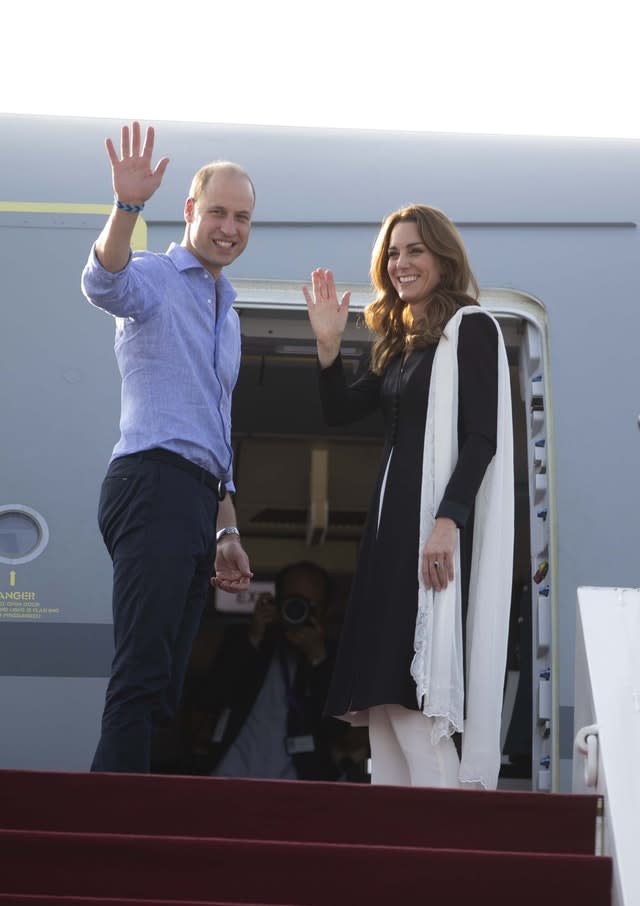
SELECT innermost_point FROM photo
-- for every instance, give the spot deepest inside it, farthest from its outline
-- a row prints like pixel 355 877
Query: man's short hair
pixel 204 174
pixel 311 568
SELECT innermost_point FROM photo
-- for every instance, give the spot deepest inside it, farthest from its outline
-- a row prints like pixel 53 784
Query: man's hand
pixel 134 181
pixel 232 572
pixel 134 178
pixel 310 639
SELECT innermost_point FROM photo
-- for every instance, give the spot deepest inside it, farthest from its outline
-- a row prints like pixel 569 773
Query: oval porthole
pixel 24 534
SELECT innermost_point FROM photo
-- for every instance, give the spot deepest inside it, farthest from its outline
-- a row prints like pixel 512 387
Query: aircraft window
pixel 23 534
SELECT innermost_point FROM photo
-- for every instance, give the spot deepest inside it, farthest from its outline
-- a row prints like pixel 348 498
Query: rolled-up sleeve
pixel 132 292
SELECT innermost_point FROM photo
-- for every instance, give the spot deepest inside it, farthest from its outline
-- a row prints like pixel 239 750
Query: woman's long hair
pixel 388 316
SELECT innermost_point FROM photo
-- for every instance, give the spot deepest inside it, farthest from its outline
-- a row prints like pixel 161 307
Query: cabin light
pixel 296 350
pixel 291 349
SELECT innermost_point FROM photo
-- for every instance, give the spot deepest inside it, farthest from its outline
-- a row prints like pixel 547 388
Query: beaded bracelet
pixel 132 208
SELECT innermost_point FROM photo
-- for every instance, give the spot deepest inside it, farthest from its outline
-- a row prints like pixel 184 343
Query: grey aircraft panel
pixel 554 220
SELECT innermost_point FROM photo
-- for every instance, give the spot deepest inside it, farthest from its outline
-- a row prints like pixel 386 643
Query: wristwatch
pixel 230 530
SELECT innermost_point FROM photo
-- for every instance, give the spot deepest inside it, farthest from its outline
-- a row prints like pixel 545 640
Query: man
pixel 178 350
pixel 259 710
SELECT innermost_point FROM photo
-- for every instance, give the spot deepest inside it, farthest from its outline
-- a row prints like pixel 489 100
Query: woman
pixel 433 578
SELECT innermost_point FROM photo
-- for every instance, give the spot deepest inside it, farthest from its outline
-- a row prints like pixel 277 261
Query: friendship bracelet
pixel 132 208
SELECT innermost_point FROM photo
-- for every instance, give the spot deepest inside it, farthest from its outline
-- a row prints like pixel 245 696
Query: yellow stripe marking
pixel 138 239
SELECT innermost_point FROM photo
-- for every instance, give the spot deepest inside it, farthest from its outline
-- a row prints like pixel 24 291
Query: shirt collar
pixel 184 260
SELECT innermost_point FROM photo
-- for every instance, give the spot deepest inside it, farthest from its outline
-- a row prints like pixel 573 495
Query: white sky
pixel 547 67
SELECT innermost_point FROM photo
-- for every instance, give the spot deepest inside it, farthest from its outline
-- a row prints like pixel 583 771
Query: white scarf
pixel 437 665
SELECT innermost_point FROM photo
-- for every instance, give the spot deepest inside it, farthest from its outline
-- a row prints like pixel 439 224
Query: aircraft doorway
pixel 304 490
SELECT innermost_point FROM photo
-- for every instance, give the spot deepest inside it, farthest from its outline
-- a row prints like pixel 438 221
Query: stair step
pixel 27 899
pixel 308 874
pixel 308 812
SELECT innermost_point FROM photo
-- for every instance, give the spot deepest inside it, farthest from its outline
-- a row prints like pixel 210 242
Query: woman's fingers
pixel 330 285
pixel 320 289
pixel 324 287
pixel 437 571
pixel 324 291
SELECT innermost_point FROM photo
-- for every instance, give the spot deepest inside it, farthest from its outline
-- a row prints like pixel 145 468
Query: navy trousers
pixel 158 523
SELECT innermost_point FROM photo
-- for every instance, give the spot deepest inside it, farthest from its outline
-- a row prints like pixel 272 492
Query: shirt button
pixel 210 301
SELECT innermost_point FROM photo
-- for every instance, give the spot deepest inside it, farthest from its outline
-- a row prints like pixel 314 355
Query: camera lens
pixel 294 610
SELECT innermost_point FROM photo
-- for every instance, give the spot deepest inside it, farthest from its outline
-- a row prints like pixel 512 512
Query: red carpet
pixel 117 840
pixel 18 899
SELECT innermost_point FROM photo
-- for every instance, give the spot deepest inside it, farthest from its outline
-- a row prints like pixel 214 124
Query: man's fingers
pixel 233 585
pixel 135 140
pixel 149 138
pixel 111 151
pixel 161 166
pixel 230 580
pixel 234 576
pixel 125 144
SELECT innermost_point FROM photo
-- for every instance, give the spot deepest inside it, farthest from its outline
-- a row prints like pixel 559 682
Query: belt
pixel 159 454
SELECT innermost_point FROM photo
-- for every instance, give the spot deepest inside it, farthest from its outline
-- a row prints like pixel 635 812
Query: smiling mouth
pixel 404 280
pixel 223 243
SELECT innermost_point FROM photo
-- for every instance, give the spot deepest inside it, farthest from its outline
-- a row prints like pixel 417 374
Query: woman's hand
pixel 327 315
pixel 439 554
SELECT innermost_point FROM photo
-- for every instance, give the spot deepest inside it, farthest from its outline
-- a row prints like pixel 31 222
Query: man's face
pixel 301 584
pixel 218 223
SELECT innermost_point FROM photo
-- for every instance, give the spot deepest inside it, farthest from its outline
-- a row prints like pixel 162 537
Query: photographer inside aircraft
pixel 258 711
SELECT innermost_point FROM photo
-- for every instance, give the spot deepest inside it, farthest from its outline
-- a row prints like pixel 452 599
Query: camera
pixel 295 610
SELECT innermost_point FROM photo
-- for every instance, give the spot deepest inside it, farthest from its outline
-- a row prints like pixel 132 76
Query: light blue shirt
pixel 177 345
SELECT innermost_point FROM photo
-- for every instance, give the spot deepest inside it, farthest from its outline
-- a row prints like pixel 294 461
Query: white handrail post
pixel 607 724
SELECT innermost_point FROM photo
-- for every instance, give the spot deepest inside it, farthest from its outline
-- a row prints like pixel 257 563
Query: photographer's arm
pixel 265 614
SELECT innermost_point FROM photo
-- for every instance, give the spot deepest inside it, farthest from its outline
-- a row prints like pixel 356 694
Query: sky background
pixel 544 67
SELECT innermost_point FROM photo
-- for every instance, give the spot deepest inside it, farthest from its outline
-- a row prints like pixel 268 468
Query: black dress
pixel 376 643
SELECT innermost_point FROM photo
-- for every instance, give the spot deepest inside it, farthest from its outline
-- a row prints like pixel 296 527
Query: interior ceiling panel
pixel 277 421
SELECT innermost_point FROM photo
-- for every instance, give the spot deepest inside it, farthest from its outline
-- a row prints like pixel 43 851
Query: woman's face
pixel 413 270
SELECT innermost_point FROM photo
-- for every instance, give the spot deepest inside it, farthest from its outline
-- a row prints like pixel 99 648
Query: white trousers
pixel 402 753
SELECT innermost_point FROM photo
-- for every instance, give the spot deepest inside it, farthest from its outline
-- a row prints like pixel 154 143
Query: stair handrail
pixel 586 743
pixel 607 726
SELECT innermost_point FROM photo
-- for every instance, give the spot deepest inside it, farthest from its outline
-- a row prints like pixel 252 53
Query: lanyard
pixel 283 659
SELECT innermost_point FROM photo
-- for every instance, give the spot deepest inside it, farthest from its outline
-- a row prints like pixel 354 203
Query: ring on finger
pixel 436 564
